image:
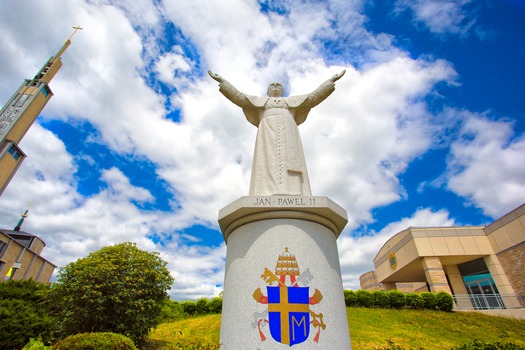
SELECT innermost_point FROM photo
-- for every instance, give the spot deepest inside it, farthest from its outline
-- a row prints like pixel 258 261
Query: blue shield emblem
pixel 289 314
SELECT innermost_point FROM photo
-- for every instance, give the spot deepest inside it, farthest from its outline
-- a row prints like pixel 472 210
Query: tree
pixel 202 306
pixel 24 314
pixel 118 289
pixel 216 305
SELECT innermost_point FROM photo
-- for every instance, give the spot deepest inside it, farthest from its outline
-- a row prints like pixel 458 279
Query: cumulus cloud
pixel 357 253
pixel 116 72
pixel 486 164
pixel 441 16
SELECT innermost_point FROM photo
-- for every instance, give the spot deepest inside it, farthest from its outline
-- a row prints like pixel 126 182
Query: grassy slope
pixel 369 328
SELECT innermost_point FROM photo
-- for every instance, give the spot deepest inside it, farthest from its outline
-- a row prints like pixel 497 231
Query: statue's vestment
pixel 279 167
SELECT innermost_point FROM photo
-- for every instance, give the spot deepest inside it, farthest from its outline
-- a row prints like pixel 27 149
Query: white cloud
pixel 357 142
pixel 357 253
pixel 486 164
pixel 441 16
pixel 170 66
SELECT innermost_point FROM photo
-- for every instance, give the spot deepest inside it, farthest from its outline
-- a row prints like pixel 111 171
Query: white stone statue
pixel 278 166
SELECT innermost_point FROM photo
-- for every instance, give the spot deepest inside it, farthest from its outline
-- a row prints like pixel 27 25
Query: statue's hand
pixel 337 76
pixel 216 77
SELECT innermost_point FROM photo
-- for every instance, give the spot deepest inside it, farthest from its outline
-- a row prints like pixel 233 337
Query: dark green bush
pixel 202 306
pixel 444 301
pixel 481 345
pixel 95 341
pixel 380 299
pixel 119 289
pixel 414 301
pixel 216 305
pixel 350 298
pixel 429 300
pixel 171 311
pixel 364 298
pixel 397 299
pixel 189 307
pixel 25 314
pixel 36 344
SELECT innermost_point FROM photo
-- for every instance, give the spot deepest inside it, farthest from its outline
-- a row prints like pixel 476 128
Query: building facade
pixel 20 112
pixel 482 266
pixel 20 256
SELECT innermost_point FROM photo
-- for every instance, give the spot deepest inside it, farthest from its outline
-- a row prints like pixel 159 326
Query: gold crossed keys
pixel 270 278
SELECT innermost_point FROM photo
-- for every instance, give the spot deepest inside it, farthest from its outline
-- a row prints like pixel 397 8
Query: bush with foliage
pixel 397 299
pixel 364 298
pixel 202 306
pixel 36 344
pixel 380 299
pixel 414 301
pixel 444 301
pixel 95 341
pixel 350 298
pixel 24 314
pixel 216 305
pixel 171 311
pixel 189 307
pixel 429 300
pixel 117 289
pixel 482 345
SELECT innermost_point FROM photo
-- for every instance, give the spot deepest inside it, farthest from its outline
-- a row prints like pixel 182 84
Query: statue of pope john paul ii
pixel 279 167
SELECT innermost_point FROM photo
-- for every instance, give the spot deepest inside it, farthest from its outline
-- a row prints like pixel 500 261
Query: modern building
pixel 19 113
pixel 483 267
pixel 20 256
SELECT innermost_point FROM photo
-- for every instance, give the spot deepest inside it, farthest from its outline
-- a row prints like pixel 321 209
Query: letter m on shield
pixel 289 314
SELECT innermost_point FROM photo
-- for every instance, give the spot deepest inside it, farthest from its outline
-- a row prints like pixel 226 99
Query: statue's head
pixel 275 90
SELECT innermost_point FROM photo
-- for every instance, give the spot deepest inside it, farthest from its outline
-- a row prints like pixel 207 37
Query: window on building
pixel 3 247
pixel 45 90
pixel 12 151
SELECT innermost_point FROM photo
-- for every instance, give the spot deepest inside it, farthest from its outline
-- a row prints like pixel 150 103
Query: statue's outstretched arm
pixel 337 76
pixel 216 77
pixel 230 91
pixel 323 91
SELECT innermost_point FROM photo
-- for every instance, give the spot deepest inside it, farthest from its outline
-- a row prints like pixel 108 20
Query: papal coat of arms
pixel 288 313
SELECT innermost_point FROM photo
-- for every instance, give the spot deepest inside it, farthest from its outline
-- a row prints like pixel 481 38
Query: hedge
pixel 95 341
pixel 396 300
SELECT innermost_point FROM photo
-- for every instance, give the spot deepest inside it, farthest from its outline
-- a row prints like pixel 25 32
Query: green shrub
pixel 350 298
pixel 119 289
pixel 429 300
pixel 95 341
pixel 202 306
pixel 397 299
pixel 171 311
pixel 36 345
pixel 481 345
pixel 380 299
pixel 444 301
pixel 189 307
pixel 216 305
pixel 414 301
pixel 24 314
pixel 364 298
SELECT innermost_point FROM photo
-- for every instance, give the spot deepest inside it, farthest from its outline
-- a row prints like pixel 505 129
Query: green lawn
pixel 369 328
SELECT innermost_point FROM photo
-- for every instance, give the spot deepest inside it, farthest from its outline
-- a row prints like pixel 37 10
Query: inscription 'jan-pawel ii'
pixel 284 201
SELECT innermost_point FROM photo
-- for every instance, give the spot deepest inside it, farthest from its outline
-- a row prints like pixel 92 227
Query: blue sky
pixel 425 129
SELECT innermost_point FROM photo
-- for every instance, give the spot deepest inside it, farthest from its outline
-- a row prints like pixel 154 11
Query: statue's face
pixel 275 90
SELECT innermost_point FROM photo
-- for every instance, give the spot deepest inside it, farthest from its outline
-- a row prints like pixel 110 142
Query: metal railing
pixel 488 301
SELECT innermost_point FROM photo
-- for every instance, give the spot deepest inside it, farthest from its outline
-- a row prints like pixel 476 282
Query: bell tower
pixel 19 113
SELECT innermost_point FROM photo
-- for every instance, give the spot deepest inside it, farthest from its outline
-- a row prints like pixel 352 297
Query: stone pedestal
pixel 283 284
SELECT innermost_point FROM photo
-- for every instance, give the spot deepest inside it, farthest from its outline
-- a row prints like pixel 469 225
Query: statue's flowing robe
pixel 279 167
